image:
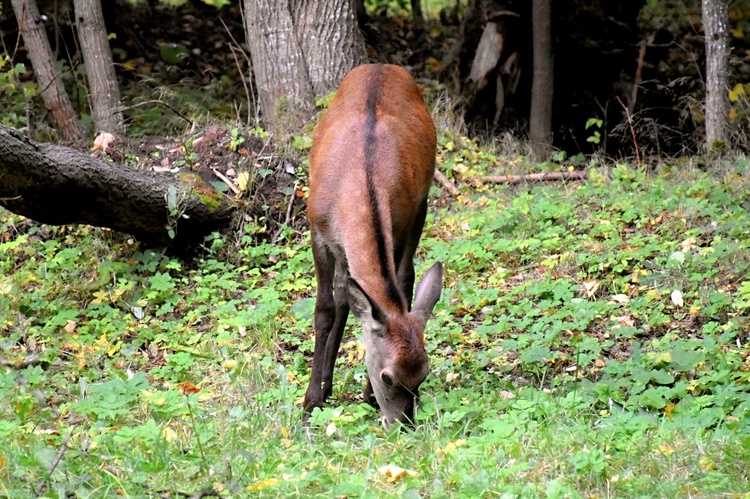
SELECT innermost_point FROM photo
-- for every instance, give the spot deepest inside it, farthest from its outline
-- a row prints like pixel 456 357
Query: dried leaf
pixel 262 484
pixel 169 434
pixel 103 141
pixel 394 473
pixel 666 449
pixel 591 287
pixel 677 298
pixel 188 388
pixel 330 429
pixel 622 299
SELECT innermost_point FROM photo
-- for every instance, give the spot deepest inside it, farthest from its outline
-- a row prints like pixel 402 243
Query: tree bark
pixel 416 13
pixel 97 56
pixel 715 27
pixel 300 48
pixel 47 75
pixel 540 117
pixel 330 41
pixel 281 76
pixel 58 185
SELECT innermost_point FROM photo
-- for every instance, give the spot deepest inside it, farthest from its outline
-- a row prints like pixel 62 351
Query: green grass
pixel 591 341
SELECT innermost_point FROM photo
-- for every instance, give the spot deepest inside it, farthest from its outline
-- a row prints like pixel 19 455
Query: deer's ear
pixel 428 292
pixel 367 312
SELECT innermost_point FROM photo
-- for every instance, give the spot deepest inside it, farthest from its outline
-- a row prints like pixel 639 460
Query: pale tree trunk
pixel 51 86
pixel 715 27
pixel 284 87
pixel 540 118
pixel 330 41
pixel 300 49
pixel 97 56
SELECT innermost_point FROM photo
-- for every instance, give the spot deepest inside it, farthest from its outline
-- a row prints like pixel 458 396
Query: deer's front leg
pixel 325 317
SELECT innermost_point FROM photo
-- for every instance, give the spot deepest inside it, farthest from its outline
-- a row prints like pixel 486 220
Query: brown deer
pixel 371 166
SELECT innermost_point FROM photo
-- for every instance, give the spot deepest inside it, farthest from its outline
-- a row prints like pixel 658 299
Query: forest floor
pixel 591 339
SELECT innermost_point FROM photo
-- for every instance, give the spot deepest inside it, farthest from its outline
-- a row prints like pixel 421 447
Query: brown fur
pixel 371 166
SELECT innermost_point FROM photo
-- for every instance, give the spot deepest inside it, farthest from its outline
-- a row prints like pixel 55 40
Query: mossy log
pixel 57 185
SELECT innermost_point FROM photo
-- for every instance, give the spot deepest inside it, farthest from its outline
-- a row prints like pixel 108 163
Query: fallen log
pixel 532 177
pixel 58 185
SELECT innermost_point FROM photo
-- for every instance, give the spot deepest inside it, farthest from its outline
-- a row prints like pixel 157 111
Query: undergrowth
pixel 591 340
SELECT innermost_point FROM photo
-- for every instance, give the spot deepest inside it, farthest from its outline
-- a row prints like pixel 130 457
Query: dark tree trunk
pixel 57 185
pixel 540 117
pixel 48 77
pixel 416 13
pixel 715 26
pixel 103 88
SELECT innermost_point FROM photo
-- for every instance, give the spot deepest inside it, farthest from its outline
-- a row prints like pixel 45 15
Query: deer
pixel 371 167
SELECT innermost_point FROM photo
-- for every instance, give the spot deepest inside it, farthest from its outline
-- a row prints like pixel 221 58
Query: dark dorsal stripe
pixel 371 144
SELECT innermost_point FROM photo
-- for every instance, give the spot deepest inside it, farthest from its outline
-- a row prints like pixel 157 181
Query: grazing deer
pixel 371 166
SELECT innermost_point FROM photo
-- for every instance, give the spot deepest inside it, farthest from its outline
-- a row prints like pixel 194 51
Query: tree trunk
pixel 57 185
pixel 97 56
pixel 416 13
pixel 47 75
pixel 540 118
pixel 300 48
pixel 281 76
pixel 715 20
pixel 330 41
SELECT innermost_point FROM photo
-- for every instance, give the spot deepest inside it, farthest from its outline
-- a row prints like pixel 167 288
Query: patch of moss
pixel 205 192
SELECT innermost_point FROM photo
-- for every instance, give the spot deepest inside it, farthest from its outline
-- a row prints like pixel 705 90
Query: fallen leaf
pixel 677 297
pixel 169 434
pixel 591 287
pixel 103 141
pixel 188 388
pixel 666 449
pixel 393 472
pixel 330 429
pixel 626 321
pixel 622 299
pixel 668 410
pixel 262 484
pixel 242 180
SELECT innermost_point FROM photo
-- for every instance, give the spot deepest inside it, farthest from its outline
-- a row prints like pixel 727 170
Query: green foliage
pixel 14 95
pixel 590 337
pixel 596 136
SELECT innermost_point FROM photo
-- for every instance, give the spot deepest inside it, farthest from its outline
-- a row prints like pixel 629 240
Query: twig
pixel 288 214
pixel 56 462
pixel 638 78
pixel 632 131
pixel 532 177
pixel 446 183
pixel 248 89
pixel 224 179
